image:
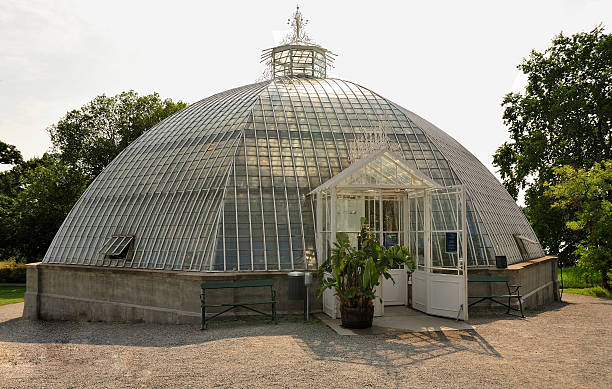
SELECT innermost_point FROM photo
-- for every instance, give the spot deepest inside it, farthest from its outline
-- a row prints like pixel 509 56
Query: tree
pixel 36 195
pixel 11 184
pixel 7 227
pixel 48 192
pixel 564 117
pixel 587 194
pixel 9 154
pixel 91 137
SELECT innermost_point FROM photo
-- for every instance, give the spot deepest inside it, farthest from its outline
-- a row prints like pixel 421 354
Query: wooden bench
pixel 513 293
pixel 233 285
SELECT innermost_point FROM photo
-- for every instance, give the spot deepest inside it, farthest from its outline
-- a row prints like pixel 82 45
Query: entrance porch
pixel 401 206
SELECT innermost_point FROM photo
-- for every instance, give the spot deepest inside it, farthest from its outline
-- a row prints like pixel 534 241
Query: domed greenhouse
pixel 258 179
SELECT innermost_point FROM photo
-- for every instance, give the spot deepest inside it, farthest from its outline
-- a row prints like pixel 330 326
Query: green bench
pixel 513 293
pixel 245 304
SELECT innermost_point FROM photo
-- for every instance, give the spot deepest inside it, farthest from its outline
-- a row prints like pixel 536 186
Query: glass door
pixel 392 222
pixel 439 282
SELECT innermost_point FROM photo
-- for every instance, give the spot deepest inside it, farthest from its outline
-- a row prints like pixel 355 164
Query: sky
pixel 450 62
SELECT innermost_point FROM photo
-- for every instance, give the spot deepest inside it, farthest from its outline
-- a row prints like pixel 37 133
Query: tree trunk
pixel 605 281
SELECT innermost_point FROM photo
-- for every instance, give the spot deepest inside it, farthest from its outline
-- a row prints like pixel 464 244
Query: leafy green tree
pixel 48 192
pixel 10 180
pixel 89 138
pixel 36 195
pixel 587 194
pixel 7 227
pixel 9 154
pixel 564 117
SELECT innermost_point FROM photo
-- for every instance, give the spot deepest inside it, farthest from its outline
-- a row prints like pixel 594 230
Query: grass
pixel 578 277
pixel 579 280
pixel 596 291
pixel 11 294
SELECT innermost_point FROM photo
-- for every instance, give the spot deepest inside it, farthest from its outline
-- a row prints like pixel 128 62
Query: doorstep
pixel 399 319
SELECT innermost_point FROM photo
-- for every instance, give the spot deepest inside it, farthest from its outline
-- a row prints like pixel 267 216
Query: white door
pixel 445 295
pixel 395 293
pixel 439 284
pixel 419 290
pixel 329 301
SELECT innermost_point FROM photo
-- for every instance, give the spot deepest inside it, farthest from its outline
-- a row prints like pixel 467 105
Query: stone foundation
pixel 87 293
pixel 537 278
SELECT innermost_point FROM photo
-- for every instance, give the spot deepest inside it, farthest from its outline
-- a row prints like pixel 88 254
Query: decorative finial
pixel 297 23
pixel 297 55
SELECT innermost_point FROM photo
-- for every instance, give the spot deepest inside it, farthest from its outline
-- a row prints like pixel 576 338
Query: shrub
pixel 12 272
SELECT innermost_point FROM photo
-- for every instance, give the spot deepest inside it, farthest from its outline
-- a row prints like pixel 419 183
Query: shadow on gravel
pixel 490 315
pixel 401 349
pixel 391 349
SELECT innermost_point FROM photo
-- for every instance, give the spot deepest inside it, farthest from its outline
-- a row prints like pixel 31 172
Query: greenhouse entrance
pixel 402 206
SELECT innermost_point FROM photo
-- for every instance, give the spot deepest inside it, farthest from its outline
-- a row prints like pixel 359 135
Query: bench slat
pixel 237 284
pixel 238 304
pixel 495 296
pixel 487 279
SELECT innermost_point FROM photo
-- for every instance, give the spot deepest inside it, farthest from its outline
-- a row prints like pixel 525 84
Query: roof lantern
pixel 298 56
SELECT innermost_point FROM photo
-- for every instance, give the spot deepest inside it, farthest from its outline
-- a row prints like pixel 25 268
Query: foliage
pixel 587 194
pixel 49 192
pixel 7 226
pixel 578 277
pixel 11 294
pixel 9 154
pixel 356 272
pixel 596 291
pixel 91 137
pixel 36 195
pixel 10 180
pixel 12 272
pixel 564 117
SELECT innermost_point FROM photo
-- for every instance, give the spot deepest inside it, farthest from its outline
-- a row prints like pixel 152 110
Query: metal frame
pixel 179 188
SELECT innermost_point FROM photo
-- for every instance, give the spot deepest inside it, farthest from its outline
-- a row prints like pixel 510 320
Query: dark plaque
pixel 451 243
pixel 390 240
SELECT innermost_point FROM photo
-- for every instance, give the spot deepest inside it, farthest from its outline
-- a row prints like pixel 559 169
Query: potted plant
pixel 353 274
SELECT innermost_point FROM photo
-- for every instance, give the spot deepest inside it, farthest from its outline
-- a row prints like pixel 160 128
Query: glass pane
pixel 391 215
pixel 349 210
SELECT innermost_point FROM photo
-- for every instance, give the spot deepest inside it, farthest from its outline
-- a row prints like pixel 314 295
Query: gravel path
pixel 566 345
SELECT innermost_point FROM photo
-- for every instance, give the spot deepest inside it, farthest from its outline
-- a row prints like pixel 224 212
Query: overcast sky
pixel 450 62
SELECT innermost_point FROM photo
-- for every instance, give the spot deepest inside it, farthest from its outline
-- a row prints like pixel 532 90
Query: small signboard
pixel 391 240
pixel 451 243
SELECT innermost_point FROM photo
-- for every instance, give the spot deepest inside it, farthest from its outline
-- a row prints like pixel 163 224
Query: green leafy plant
pixel 587 195
pixel 354 273
pixel 12 272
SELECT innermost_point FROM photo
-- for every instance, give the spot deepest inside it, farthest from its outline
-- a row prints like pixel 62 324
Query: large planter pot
pixel 357 316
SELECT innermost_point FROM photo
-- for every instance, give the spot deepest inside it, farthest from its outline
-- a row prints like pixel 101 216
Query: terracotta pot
pixel 358 316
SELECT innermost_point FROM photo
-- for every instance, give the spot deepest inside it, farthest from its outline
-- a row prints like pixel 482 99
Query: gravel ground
pixel 567 345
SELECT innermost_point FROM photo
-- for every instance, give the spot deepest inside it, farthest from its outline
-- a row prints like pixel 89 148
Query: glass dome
pixel 222 185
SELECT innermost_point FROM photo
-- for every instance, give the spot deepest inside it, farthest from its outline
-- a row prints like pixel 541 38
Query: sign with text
pixel 451 243
pixel 391 240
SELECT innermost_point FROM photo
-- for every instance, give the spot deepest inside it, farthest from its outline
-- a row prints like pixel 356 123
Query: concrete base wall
pixel 537 278
pixel 71 292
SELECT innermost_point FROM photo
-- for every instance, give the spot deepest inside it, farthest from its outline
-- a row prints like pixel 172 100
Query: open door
pixel 439 283
pixel 329 302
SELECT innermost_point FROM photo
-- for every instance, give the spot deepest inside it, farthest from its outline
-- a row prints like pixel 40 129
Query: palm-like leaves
pixel 355 273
